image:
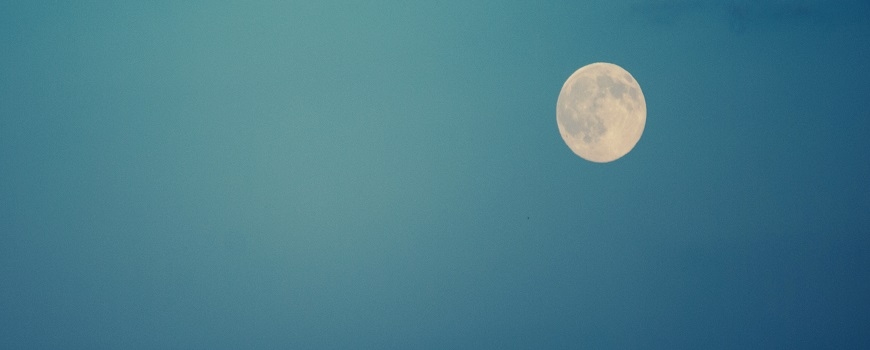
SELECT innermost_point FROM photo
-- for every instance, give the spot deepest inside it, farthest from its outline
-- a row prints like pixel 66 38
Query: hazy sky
pixel 389 174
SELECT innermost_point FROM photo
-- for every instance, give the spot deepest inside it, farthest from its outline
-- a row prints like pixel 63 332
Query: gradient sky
pixel 389 174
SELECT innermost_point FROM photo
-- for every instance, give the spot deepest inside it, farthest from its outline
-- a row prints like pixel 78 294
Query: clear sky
pixel 389 174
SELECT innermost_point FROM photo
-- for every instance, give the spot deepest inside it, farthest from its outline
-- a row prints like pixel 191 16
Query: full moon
pixel 601 112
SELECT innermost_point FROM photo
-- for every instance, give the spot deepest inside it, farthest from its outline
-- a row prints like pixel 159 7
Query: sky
pixel 389 174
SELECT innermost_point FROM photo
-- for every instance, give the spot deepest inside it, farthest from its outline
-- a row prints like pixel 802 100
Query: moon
pixel 601 112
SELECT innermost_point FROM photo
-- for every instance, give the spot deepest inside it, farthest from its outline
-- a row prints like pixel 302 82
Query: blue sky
pixel 389 174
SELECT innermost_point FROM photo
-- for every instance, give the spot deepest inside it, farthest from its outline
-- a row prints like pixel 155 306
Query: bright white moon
pixel 601 112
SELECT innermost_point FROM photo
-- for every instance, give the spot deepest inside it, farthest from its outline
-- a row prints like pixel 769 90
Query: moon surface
pixel 601 112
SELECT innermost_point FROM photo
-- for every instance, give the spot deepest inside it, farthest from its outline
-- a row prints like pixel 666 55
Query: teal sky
pixel 389 175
